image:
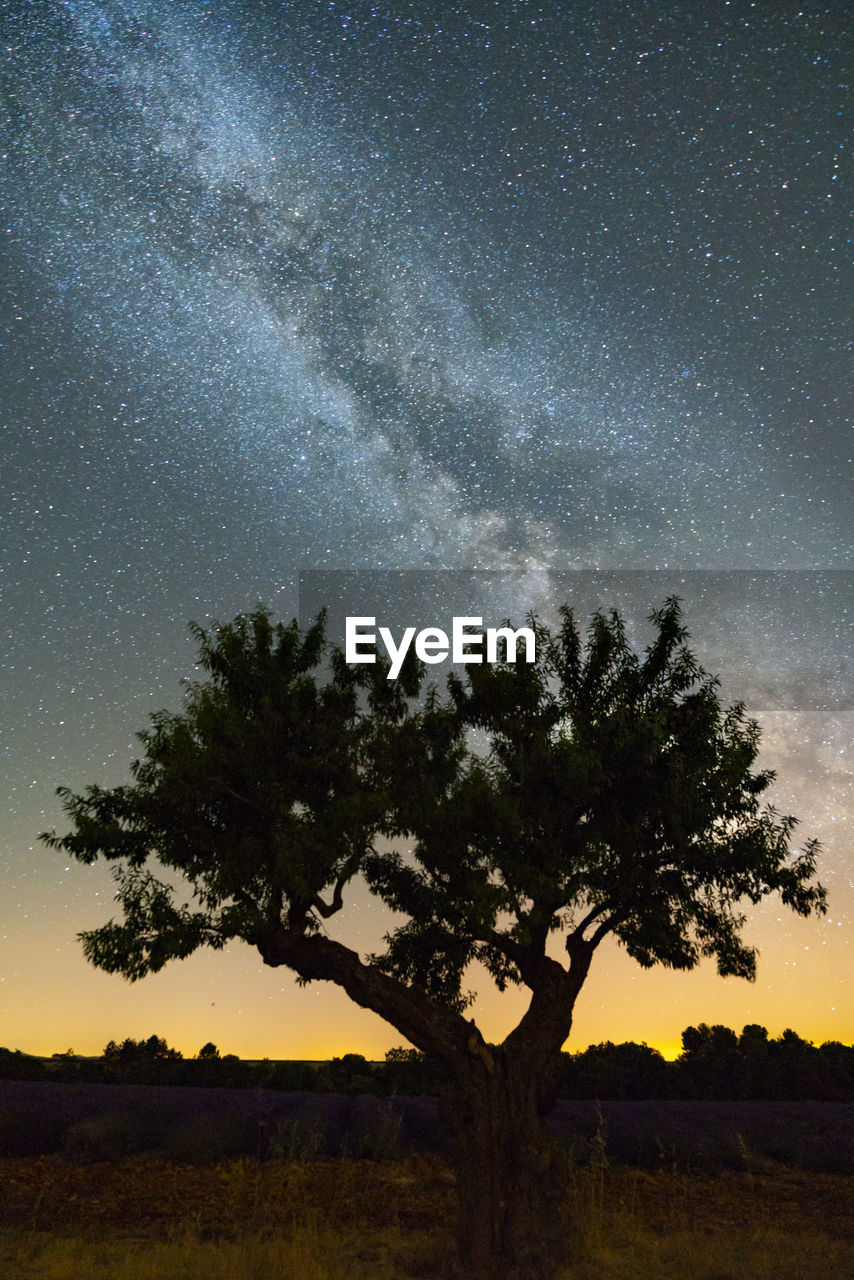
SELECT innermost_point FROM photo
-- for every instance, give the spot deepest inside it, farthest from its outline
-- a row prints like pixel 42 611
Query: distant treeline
pixel 715 1063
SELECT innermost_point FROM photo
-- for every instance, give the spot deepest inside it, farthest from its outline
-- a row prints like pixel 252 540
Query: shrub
pixel 374 1131
pixel 300 1138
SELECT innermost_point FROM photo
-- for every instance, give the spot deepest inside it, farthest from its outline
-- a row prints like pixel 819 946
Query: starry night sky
pixel 349 286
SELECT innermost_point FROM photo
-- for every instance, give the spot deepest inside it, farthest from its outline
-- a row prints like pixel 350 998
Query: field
pixel 150 1219
pixel 659 1191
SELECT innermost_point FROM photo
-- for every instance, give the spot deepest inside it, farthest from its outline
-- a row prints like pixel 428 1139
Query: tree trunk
pixel 511 1174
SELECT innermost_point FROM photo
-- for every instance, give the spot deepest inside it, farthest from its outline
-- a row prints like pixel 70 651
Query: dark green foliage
pixel 257 794
pixel 300 1138
pixel 616 1071
pixel 715 1063
pixel 408 1072
pixel 617 797
pixel 15 1065
pixel 375 1131
pixel 148 1061
pixel 351 1074
pixel 300 1077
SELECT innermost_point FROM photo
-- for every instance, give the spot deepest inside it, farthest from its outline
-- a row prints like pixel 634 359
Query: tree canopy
pixel 617 796
pixel 527 813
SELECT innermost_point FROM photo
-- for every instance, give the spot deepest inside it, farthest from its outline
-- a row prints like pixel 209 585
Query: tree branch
pixel 254 804
pixel 526 959
pixel 431 1027
pixel 578 931
pixel 547 1021
pixel 606 927
pixel 325 909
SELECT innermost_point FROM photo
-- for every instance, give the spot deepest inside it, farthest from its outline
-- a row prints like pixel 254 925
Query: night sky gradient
pixel 503 286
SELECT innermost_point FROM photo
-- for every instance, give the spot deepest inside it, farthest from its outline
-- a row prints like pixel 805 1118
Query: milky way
pixel 339 286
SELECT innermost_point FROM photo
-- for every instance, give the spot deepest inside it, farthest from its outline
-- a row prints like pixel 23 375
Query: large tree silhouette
pixel 609 793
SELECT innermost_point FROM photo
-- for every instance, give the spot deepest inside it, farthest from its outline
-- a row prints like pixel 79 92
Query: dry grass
pixel 149 1219
pixel 736 1226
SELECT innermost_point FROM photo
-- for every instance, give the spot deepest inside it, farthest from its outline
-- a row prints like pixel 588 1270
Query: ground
pixel 146 1218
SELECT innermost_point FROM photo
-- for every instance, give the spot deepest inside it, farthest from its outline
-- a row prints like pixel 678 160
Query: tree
pixel 608 1070
pixel 711 1061
pixel 408 1072
pixel 614 796
pixel 149 1061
